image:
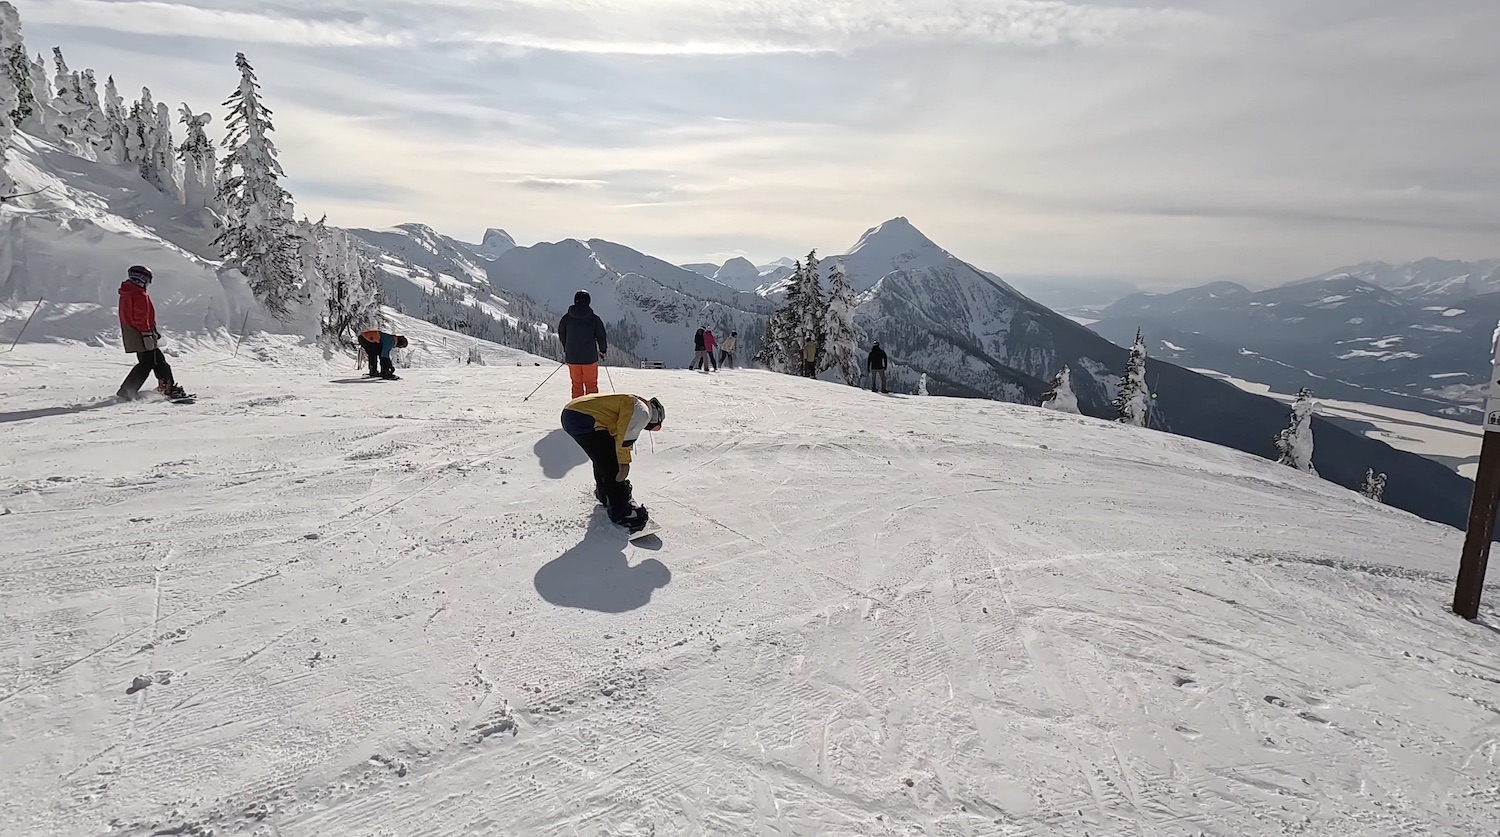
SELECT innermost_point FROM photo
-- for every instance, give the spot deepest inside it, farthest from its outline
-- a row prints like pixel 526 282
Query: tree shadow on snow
pixel 558 454
pixel 596 575
pixel 45 412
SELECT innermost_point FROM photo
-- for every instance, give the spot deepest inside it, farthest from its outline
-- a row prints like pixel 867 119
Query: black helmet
pixel 139 271
pixel 581 298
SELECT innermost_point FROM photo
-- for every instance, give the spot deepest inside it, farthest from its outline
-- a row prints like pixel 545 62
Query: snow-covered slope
pixel 652 307
pixel 302 608
pixel 69 246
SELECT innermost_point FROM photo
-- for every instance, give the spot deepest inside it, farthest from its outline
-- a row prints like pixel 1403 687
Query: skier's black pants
pixel 372 353
pixel 145 364
pixel 599 445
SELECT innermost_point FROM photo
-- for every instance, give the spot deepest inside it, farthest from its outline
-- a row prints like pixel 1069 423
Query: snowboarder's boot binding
pixel 173 390
pixel 636 520
pixel 599 495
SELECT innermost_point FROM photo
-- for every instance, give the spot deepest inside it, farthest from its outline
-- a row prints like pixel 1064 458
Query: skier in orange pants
pixel 584 344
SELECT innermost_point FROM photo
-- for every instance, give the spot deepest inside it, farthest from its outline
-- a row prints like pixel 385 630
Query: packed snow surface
pixel 313 605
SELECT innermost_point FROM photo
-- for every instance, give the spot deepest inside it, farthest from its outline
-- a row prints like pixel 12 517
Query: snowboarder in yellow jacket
pixel 606 425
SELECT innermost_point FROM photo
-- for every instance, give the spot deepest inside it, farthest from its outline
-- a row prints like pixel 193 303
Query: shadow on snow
pixel 596 575
pixel 45 412
pixel 558 454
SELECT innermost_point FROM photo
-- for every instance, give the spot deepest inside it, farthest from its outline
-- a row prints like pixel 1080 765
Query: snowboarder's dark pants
pixel 878 381
pixel 809 368
pixel 145 364
pixel 599 445
pixel 372 353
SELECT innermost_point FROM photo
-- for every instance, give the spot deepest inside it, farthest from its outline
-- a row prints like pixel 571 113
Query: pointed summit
pixel 891 246
pixel 495 242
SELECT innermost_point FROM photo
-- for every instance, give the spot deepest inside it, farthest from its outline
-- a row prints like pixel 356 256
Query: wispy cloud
pixel 1160 139
pixel 631 27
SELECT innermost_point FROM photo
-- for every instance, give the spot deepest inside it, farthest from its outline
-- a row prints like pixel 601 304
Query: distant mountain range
pixel 1414 336
pixel 971 332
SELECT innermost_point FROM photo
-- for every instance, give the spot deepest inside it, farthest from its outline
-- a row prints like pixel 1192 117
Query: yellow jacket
pixel 622 414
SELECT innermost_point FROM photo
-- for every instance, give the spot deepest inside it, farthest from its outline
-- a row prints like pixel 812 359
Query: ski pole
pixel 560 365
pixel 243 326
pixel 25 324
pixel 610 378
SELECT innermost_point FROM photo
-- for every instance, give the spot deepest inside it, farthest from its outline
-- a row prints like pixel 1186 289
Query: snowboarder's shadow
pixel 558 454
pixel 596 575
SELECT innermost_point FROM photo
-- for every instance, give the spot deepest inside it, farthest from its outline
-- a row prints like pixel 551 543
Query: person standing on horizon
pixel 584 344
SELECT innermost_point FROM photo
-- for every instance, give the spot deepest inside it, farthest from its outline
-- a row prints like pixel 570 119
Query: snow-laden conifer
pixel 1060 395
pixel 841 337
pixel 1294 445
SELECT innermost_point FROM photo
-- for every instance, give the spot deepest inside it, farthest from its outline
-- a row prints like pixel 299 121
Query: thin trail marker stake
pixel 25 324
pixel 243 326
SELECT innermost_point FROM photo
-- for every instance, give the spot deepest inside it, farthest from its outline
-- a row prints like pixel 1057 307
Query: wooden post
pixel 1476 556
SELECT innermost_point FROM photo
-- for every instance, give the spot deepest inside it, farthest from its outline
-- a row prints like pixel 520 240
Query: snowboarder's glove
pixel 624 474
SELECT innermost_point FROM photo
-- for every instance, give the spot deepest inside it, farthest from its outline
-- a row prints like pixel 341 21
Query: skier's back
pixel 584 343
pixel 878 363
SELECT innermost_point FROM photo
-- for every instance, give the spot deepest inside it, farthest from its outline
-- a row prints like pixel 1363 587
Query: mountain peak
pixel 897 231
pixel 495 242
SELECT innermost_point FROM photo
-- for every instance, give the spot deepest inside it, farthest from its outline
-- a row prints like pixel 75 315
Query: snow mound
pixel 70 244
pixel 303 607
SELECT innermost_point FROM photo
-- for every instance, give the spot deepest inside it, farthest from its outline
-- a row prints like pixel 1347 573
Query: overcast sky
pixel 1167 142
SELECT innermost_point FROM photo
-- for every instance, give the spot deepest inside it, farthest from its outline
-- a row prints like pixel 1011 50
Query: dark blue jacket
pixel 582 335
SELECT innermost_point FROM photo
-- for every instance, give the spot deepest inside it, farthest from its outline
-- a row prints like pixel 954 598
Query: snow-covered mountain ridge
pixel 311 608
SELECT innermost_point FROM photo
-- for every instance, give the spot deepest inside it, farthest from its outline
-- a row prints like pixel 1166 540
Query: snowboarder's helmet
pixel 400 342
pixel 140 273
pixel 657 416
pixel 581 298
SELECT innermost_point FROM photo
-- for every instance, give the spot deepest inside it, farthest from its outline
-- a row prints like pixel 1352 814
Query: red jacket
pixel 136 310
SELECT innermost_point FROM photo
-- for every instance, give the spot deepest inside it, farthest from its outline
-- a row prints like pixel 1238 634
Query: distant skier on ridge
pixel 138 333
pixel 878 363
pixel 606 426
pixel 584 344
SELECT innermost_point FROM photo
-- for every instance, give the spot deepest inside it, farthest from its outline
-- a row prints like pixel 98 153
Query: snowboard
pixel 652 527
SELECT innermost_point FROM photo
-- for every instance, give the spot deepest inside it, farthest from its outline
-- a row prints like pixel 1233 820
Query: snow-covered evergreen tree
pixel 68 100
pixel 116 146
pixel 351 292
pixel 922 384
pixel 1134 399
pixel 781 350
pixel 257 236
pixel 163 154
pixel 8 102
pixel 15 66
pixel 91 123
pixel 1294 445
pixel 1374 486
pixel 199 163
pixel 810 303
pixel 1060 395
pixel 44 114
pixel 841 337
pixel 135 135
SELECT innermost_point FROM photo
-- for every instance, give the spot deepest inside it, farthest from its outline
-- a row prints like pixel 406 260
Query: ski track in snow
pixel 295 608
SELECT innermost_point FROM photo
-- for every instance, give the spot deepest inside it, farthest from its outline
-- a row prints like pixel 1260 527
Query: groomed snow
pixel 309 608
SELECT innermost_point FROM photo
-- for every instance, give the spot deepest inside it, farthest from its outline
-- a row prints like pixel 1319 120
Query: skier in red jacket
pixel 138 330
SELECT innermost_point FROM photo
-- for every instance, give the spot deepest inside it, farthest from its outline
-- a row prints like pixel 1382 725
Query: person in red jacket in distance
pixel 138 332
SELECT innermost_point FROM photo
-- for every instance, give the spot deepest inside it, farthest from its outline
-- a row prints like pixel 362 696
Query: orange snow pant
pixel 585 377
